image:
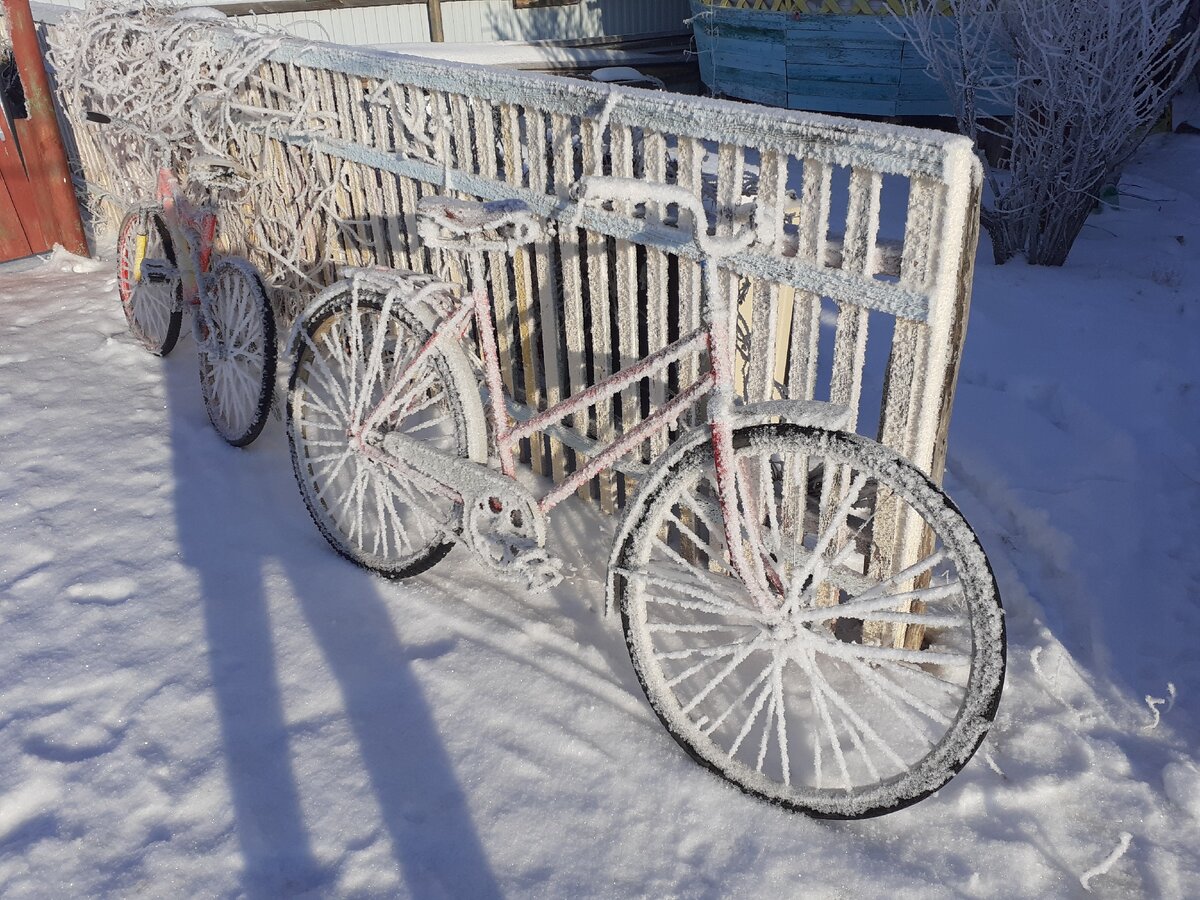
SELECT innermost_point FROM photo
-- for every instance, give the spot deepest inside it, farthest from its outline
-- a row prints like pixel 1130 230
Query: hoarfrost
pixel 1107 863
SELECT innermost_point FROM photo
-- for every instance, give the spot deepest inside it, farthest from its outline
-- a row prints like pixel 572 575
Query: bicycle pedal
pixel 538 569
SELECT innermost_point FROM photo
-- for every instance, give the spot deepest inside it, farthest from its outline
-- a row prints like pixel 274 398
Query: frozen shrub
pixel 1083 82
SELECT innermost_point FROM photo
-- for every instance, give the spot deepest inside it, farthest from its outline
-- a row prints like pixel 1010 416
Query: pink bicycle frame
pixel 715 335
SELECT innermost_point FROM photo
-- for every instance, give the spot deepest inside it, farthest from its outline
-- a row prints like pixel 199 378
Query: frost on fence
pixel 341 146
pixel 169 88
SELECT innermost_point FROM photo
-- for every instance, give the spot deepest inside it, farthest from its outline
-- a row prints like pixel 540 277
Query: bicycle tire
pixel 152 308
pixel 238 380
pixel 400 529
pixel 891 721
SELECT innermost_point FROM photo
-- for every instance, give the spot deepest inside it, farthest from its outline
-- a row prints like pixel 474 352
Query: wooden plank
pixel 738 84
pixel 805 324
pixel 814 103
pixel 867 54
pixel 689 158
pixel 763 58
pixel 727 286
pixel 40 209
pixel 843 74
pixel 393 220
pixel 764 295
pixel 629 302
pixel 837 28
pixel 487 147
pixel 13 243
pixel 522 284
pixel 654 153
pixel 812 237
pixel 571 263
pixel 364 180
pixel 549 293
pixel 858 258
pixel 598 303
pixel 37 230
pixel 843 91
pixel 756 30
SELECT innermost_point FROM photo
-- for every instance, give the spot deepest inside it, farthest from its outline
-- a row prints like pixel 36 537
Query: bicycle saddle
pixel 218 172
pixel 477 225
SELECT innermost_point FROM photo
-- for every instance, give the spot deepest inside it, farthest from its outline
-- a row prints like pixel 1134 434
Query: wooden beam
pixel 435 21
pixel 265 7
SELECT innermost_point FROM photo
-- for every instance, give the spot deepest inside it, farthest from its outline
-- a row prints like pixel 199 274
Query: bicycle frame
pixel 715 335
pixel 193 231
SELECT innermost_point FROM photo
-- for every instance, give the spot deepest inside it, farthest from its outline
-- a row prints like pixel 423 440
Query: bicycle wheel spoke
pixel 751 717
pixel 737 703
pixel 719 678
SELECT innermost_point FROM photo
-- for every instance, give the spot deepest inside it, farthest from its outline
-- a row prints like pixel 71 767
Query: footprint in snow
pixel 72 735
pixel 107 592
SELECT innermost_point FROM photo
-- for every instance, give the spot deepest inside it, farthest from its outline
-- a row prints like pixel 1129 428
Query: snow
pixel 523 54
pixel 199 698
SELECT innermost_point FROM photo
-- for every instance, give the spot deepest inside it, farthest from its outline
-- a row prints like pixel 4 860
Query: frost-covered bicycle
pixel 165 264
pixel 808 614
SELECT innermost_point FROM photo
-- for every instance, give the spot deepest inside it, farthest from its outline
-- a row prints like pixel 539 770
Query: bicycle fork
pixel 758 575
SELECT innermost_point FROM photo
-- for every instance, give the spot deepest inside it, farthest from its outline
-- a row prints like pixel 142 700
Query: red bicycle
pixel 166 265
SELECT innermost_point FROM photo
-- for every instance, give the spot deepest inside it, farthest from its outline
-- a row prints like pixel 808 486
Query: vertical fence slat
pixel 654 152
pixel 598 307
pixel 523 285
pixel 629 298
pixel 540 149
pixel 765 335
pixel 487 149
pixel 564 131
pixel 728 287
pixel 858 258
pixel 393 223
pixel 690 176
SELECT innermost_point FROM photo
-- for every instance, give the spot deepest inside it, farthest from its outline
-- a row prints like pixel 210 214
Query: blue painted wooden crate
pixel 824 63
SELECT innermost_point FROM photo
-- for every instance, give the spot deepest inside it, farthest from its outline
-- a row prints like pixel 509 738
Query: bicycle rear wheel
pixel 871 676
pixel 149 294
pixel 371 509
pixel 237 360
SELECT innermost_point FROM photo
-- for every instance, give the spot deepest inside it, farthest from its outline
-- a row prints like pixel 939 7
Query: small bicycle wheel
pixel 353 351
pixel 149 295
pixel 869 670
pixel 237 358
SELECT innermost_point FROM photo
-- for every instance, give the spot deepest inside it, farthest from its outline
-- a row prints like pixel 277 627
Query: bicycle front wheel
pixel 149 297
pixel 237 356
pixel 370 508
pixel 869 669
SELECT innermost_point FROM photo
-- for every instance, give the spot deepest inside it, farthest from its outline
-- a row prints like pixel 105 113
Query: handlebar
pixel 605 188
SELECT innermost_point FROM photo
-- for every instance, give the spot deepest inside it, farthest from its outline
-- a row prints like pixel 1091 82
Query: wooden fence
pixel 610 286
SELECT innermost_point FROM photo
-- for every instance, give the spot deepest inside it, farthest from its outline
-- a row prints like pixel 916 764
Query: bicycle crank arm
pixel 501 522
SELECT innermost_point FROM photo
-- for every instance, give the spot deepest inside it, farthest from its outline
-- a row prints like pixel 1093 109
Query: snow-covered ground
pixel 198 698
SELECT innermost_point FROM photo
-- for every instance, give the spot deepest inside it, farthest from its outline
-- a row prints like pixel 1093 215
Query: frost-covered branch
pixel 1078 85
pixel 168 91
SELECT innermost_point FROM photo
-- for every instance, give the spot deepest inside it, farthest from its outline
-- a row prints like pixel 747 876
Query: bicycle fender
pixel 456 359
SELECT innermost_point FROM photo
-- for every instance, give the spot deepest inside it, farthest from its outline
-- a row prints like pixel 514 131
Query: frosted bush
pixel 1084 82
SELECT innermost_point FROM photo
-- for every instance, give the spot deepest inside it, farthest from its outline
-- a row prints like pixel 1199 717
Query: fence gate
pixel 25 226
pixel 38 207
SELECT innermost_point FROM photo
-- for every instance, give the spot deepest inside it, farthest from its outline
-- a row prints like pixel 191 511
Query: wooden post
pixel 435 20
pixel 46 159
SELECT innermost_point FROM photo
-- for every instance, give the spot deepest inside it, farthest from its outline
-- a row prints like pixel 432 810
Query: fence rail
pixel 864 230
